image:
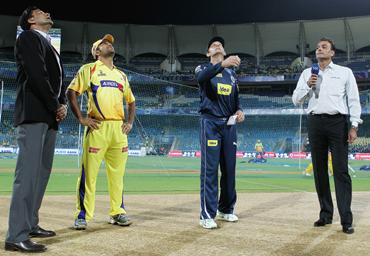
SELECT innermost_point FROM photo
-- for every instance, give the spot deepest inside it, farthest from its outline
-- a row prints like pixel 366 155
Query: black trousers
pixel 331 132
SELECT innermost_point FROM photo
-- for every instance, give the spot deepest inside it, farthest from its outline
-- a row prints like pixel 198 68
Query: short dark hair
pixel 330 41
pixel 23 19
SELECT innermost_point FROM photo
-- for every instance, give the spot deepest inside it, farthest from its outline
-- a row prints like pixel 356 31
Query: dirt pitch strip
pixel 270 224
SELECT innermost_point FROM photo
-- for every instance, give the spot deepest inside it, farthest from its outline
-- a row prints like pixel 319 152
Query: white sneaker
pixel 120 219
pixel 230 217
pixel 208 223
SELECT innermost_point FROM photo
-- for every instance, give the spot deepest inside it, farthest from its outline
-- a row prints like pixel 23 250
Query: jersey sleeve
pixel 128 95
pixel 81 81
pixel 204 73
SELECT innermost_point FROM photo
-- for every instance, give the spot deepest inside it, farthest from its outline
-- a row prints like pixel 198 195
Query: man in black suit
pixel 40 106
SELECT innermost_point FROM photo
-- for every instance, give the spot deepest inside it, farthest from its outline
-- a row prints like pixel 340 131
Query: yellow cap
pixel 95 45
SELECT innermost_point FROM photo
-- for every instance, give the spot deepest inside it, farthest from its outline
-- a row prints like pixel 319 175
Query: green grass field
pixel 156 175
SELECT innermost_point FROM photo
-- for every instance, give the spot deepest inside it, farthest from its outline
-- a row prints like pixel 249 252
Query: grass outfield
pixel 181 175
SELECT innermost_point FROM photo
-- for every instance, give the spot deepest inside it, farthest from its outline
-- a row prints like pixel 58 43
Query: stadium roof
pixel 191 12
pixel 258 38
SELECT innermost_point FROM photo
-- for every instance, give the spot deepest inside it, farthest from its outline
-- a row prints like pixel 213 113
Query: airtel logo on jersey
pixel 108 83
pixel 112 84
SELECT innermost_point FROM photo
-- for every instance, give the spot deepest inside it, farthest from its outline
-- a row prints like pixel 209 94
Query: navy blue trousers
pixel 218 148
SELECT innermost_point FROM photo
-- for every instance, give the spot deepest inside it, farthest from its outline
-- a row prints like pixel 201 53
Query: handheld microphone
pixel 315 71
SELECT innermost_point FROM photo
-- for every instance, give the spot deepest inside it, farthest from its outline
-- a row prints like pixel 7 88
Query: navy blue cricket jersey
pixel 218 89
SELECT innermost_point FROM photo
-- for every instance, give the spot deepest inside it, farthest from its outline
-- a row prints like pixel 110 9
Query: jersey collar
pixel 100 63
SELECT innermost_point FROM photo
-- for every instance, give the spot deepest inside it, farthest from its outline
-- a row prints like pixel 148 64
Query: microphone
pixel 315 71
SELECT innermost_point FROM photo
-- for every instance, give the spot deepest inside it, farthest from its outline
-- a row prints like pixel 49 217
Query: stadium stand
pixel 167 110
pixel 167 117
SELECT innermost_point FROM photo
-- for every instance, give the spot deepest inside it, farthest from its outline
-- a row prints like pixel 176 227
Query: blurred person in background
pixel 258 147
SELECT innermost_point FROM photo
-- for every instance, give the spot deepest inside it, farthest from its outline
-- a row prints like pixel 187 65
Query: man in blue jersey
pixel 220 111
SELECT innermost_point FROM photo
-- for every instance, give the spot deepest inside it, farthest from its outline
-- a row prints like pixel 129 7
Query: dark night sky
pixel 194 12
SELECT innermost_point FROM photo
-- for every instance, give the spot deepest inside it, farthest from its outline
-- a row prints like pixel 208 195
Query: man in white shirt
pixel 332 97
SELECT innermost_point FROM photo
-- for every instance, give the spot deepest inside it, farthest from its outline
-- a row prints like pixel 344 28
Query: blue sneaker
pixel 80 224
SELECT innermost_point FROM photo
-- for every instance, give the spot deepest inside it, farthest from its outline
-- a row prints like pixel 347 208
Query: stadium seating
pixel 167 116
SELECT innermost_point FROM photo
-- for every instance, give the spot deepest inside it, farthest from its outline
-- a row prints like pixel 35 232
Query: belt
pixel 208 116
pixel 327 115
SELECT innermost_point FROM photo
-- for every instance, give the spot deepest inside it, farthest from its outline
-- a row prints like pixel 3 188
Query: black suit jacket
pixel 39 80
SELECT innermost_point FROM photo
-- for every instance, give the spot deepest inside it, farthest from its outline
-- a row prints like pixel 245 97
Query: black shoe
pixel 25 246
pixel 348 229
pixel 322 222
pixel 40 232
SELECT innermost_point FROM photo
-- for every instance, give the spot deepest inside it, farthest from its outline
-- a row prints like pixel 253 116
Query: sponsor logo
pixel 175 153
pixel 295 155
pixel 362 156
pixel 120 87
pixel 101 73
pixel 212 143
pixel 108 83
pixel 224 89
pixel 233 79
pixel 219 75
pixel 198 69
pixel 64 151
pixel 93 150
pixel 6 150
pixel 112 84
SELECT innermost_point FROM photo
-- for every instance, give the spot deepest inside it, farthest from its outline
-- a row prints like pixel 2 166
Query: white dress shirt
pixel 336 92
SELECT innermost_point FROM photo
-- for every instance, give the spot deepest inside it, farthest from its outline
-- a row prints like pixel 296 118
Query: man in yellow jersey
pixel 105 132
pixel 308 171
pixel 259 149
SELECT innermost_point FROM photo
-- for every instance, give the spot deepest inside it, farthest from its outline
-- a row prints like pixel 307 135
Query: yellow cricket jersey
pixel 106 90
pixel 258 147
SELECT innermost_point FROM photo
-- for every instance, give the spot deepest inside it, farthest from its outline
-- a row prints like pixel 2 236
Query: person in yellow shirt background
pixel 106 131
pixel 258 147
pixel 308 171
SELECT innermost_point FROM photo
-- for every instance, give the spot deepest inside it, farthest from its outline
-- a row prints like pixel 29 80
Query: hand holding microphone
pixel 314 75
pixel 231 61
